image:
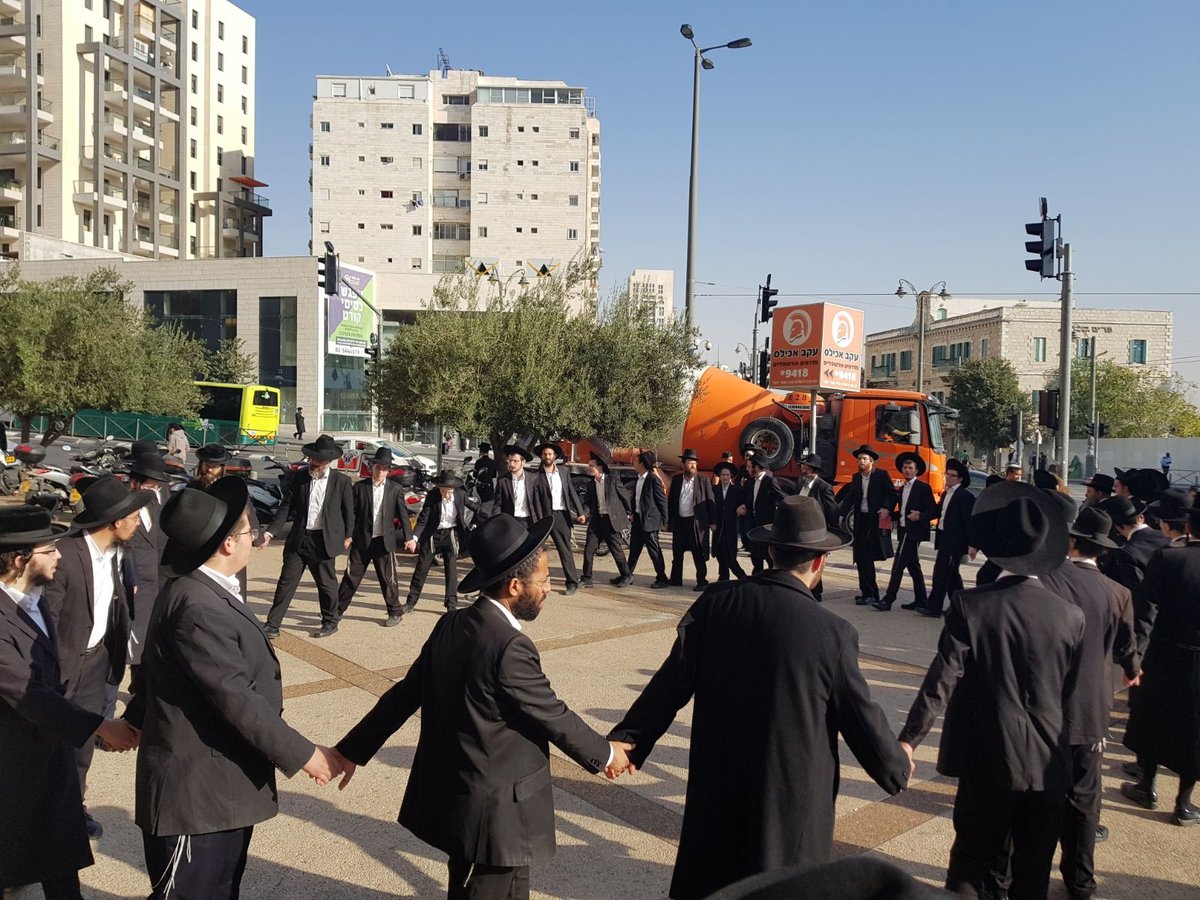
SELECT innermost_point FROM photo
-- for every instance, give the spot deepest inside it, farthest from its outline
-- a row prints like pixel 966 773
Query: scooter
pixel 10 474
pixel 42 485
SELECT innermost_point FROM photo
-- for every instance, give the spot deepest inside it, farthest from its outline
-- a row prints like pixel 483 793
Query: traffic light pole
pixel 1064 406
pixel 1093 462
pixel 754 338
pixel 378 343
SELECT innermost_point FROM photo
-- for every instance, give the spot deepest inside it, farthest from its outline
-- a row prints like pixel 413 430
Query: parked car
pixel 359 450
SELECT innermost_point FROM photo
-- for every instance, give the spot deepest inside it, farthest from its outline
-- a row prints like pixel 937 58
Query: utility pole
pixel 1064 377
pixel 762 313
pixel 1093 461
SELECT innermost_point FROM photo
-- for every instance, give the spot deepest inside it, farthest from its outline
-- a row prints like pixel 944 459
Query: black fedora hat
pixel 1067 507
pixel 724 466
pixel 485 447
pixel 1047 481
pixel 600 461
pixel 323 449
pixel 137 448
pixel 813 461
pixel 107 500
pixel 382 457
pixel 1093 524
pixel 213 453
pixel 689 453
pixel 864 450
pixel 498 546
pixel 1123 510
pixel 907 456
pixel 961 469
pixel 196 522
pixel 447 478
pixel 149 467
pixel 648 458
pixel 517 450
pixel 546 445
pixel 1173 505
pixel 1145 484
pixel 1101 482
pixel 1020 528
pixel 28 526
pixel 800 524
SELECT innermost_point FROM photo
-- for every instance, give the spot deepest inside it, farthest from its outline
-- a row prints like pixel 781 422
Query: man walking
pixel 566 509
pixel 378 506
pixel 608 515
pixel 321 511
pixel 727 497
pixel 914 507
pixel 869 497
pixel 441 530
pixel 1127 565
pixel 480 788
pixel 519 494
pixel 649 516
pixel 759 500
pixel 143 552
pixel 777 710
pixel 299 433
pixel 813 485
pixel 692 517
pixel 951 538
pixel 485 473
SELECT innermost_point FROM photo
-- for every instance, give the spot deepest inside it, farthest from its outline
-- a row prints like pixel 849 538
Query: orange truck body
pixel 728 412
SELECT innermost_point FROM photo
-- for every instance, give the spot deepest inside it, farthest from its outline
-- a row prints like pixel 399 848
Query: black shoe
pixel 673 583
pixel 585 582
pixel 1132 769
pixel 409 607
pixel 570 589
pixel 393 620
pixel 1143 797
pixel 929 613
pixel 95 830
pixel 326 631
pixel 658 584
pixel 700 585
pixel 1186 815
pixel 271 632
pixel 913 605
pixel 862 600
pixel 621 580
pixel 882 605
pixel 1101 834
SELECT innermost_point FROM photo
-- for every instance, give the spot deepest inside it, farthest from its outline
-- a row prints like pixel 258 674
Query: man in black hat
pixel 299 432
pixel 518 493
pixel 485 473
pixel 811 484
pixel 692 517
pixel 727 498
pixel 378 506
pixel 90 608
pixel 143 551
pixel 210 465
pixel 649 516
pixel 1127 564
pixel 777 710
pixel 759 499
pixel 1173 508
pixel 1005 736
pixel 209 708
pixel 914 509
pixel 320 507
pixel 608 509
pixel 565 506
pixel 45 834
pixel 442 527
pixel 951 538
pixel 868 497
pixel 1097 489
pixel 480 787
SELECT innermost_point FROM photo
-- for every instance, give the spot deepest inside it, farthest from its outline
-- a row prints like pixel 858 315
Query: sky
pixel 854 144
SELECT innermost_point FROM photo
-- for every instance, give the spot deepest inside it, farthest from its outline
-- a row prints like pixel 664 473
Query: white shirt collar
pixel 96 553
pixel 324 474
pixel 229 582
pixel 512 620
pixel 1004 573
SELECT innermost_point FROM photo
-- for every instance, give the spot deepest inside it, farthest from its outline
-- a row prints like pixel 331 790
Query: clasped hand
pixel 620 763
pixel 326 764
pixel 118 736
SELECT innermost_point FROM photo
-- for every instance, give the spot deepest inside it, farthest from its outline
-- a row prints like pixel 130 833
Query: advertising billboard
pixel 350 323
pixel 817 346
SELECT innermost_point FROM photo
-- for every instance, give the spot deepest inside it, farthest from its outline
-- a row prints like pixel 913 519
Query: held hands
pixel 265 540
pixel 346 544
pixel 1135 681
pixel 324 765
pixel 117 735
pixel 348 768
pixel 620 762
pixel 912 763
pixel 741 510
pixel 411 545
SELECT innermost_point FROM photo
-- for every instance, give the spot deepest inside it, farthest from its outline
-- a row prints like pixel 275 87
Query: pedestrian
pixel 1173 509
pixel 210 709
pixel 813 485
pixel 566 509
pixel 480 788
pixel 143 553
pixel 210 467
pixel 518 493
pixel 691 516
pixel 1165 463
pixel 485 473
pixel 649 516
pixel 90 609
pixel 298 434
pixel 177 442
pixel 1013 472
pixel 378 508
pixel 951 538
pixel 759 499
pixel 1097 489
pixel 1005 735
pixel 1127 564
pixel 608 512
pixel 867 498
pixel 45 833
pixel 727 498
pixel 777 710
pixel 1041 460
pixel 446 441
pixel 320 509
pixel 914 509
pixel 442 527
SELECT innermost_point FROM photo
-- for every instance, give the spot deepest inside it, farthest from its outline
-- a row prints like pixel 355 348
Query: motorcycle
pixel 42 485
pixel 10 474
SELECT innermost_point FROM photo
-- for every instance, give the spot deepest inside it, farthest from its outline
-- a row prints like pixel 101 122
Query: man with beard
pixel 692 517
pixel 565 507
pixel 868 497
pixel 915 507
pixel 608 515
pixel 441 531
pixel 518 493
pixel 727 497
pixel 951 538
pixel 1097 489
pixel 210 466
pixel 649 516
pixel 480 788
pixel 759 498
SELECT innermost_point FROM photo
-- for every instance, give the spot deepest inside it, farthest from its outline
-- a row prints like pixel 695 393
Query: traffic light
pixel 764 364
pixel 371 365
pixel 327 273
pixel 1090 429
pixel 1103 429
pixel 767 303
pixel 1048 409
pixel 1043 248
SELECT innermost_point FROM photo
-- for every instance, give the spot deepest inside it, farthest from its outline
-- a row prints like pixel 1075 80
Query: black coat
pixel 430 516
pixel 616 499
pixel 954 535
pixel 574 506
pixel 1107 637
pixel 139 570
pixel 705 513
pixel 920 500
pixel 71 601
pixel 479 789
pixel 725 504
pixel 775 679
pixel 653 513
pixel 537 496
pixel 822 491
pixel 761 510
pixel 396 510
pixel 880 495
pixel 1127 564
pixel 43 836
pixel 1005 725
pixel 337 512
pixel 210 708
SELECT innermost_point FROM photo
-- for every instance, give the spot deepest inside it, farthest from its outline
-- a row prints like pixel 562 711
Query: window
pixel 418 198
pixel 245 104
pixel 1137 352
pixel 451 231
pixel 245 136
pixel 483 131
pixel 195 52
pixel 387 160
pixel 220 93
pixel 324 228
pixel 192 148
pixel 220 124
pixel 362 159
pixel 573 200
pixel 385 195
pixel 535 162
pixel 536 128
pixel 520 162
pixel 416 230
pixel 195 16
pixel 337 89
pixel 324 159
pixel 521 128
pixel 573 134
pixel 192 180
pixel 574 165
pixel 533 196
pixel 481 198
pixel 572 234
pixel 362 192
pixel 905 360
pixel 220 62
pixel 446 264
pixel 387 126
pixel 898 426
pixel 482 231
pixel 446 131
pixel 324 193
pixel 386 226
pixel 1039 349
pixel 519 229
pixel 1083 348
pixel 195 85
pixel 533 230
pixel 983 348
pixel 417 129
pixel 192 116
pixel 417 162
pixel 362 226
pixel 220 31
pixel 416 263
pixel 245 75
pixel 482 165
pixel 245 44
pixel 192 214
pixel 456 99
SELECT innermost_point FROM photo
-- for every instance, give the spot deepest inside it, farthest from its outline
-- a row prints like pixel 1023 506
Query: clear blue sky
pixel 854 144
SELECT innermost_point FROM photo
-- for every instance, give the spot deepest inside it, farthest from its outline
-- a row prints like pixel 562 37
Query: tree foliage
pixel 986 393
pixel 229 364
pixel 76 343
pixel 531 363
pixel 1133 403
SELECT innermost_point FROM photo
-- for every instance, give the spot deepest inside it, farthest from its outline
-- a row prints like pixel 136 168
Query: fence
pixel 91 423
pixel 1145 453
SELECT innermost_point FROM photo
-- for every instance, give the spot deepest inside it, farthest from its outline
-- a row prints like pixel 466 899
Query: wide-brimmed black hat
pixel 1101 482
pixel 149 467
pixel 724 466
pixel 447 478
pixel 813 461
pixel 756 457
pixel 382 457
pixel 213 453
pixel 747 448
pixel 323 449
pixel 1067 507
pixel 1173 505
pixel 498 546
pixel 906 456
pixel 800 524
pixel 1093 524
pixel 1019 527
pixel 993 479
pixel 864 449
pixel 108 500
pixel 137 448
pixel 196 522
pixel 1145 484
pixel 648 458
pixel 1123 510
pixel 689 453
pixel 961 469
pixel 558 451
pixel 510 449
pixel 1047 481
pixel 485 447
pixel 28 526
pixel 600 461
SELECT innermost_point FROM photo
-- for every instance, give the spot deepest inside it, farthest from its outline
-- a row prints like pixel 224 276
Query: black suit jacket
pixel 573 504
pixel 431 514
pixel 363 496
pixel 1006 725
pixel 881 494
pixel 725 506
pixel 762 509
pixel 1127 564
pixel 41 807
pixel 616 499
pixel 479 788
pixel 822 492
pixel 139 570
pixel 537 496
pixel 653 513
pixel 71 601
pixel 337 512
pixel 954 535
pixel 775 680
pixel 209 709
pixel 702 501
pixel 920 500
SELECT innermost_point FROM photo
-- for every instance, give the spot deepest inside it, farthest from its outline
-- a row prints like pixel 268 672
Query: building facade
pixel 655 290
pixel 128 126
pixel 454 172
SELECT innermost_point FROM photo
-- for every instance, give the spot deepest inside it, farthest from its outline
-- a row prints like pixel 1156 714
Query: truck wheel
pixel 773 438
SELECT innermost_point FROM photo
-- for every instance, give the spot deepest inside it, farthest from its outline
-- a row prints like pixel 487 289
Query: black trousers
pixel 725 550
pixel 986 820
pixel 907 559
pixel 639 538
pixel 1080 818
pixel 759 557
pixel 866 542
pixel 65 887
pixel 91 691
pixel 561 535
pixel 311 556
pixel 600 529
pixel 946 579
pixel 385 570
pixel 197 866
pixel 440 544
pixel 474 881
pixel 685 538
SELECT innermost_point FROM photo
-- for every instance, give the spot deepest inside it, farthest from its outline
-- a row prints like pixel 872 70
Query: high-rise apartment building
pixel 416 176
pixel 655 290
pixel 128 125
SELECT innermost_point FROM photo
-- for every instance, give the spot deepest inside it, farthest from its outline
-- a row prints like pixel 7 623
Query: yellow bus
pixel 240 413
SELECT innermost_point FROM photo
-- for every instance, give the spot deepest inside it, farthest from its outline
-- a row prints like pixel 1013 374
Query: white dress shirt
pixel 103 586
pixel 758 480
pixel 904 492
pixel 866 480
pixel 945 506
pixel 229 582
pixel 637 494
pixel 377 506
pixel 520 501
pixel 447 514
pixel 316 500
pixel 144 515
pixel 601 500
pixel 29 603
pixel 557 501
pixel 687 497
pixel 806 486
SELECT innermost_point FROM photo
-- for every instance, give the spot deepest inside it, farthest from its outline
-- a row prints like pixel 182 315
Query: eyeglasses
pixel 253 532
pixel 46 550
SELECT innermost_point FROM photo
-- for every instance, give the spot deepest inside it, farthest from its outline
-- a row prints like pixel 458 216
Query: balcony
pixel 250 200
pixel 10 225
pixel 115 127
pixel 12 191
pixel 13 71
pixel 111 196
pixel 143 98
pixel 169 36
pixel 142 209
pixel 141 135
pixel 115 94
pixel 12 8
pixel 167 212
pixel 12 35
pixel 143 26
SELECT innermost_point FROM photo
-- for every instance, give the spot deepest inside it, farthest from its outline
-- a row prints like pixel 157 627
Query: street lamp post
pixel 700 60
pixel 922 298
pixel 502 284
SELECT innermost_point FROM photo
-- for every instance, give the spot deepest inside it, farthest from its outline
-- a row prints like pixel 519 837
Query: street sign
pixel 817 345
